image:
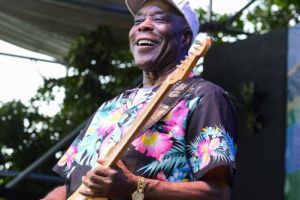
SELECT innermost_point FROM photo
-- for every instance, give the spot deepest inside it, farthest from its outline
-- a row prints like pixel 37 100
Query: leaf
pixel 173 159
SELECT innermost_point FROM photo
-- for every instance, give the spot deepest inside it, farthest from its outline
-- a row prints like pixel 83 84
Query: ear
pixel 187 38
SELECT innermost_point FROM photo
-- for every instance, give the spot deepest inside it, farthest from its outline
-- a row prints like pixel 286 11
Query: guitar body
pixel 113 153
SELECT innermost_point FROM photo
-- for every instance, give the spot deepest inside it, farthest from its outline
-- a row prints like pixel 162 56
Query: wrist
pixel 133 183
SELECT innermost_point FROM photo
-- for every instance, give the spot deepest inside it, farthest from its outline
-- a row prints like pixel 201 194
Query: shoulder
pixel 202 88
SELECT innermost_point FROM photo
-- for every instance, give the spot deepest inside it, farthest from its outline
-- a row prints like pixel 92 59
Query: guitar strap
pixel 179 90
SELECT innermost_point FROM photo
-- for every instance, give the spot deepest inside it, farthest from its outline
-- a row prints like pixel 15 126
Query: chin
pixel 147 66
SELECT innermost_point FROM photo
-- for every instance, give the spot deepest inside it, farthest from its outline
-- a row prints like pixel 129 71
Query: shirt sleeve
pixel 211 136
pixel 64 166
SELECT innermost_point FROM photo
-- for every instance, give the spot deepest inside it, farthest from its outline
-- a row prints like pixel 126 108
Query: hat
pixel 181 5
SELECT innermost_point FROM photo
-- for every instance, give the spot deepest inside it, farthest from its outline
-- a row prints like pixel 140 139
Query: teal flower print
pixel 212 145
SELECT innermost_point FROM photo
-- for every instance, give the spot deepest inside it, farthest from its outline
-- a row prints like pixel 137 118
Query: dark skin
pixel 171 37
pixel 166 38
pixel 119 182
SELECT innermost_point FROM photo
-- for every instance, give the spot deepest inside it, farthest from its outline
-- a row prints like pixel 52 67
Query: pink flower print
pixel 176 118
pixel 105 130
pixel 161 176
pixel 154 143
pixel 192 74
pixel 108 126
pixel 68 157
pixel 176 130
pixel 206 149
pixel 178 113
pixel 110 140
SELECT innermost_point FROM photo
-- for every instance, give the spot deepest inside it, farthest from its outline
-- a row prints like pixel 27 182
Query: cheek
pixel 130 40
pixel 131 35
pixel 176 40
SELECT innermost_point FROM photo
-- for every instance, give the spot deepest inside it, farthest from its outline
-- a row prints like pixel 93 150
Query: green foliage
pixel 273 14
pixel 216 18
pixel 261 17
pixel 286 3
pixel 98 69
pixel 24 135
pixel 20 135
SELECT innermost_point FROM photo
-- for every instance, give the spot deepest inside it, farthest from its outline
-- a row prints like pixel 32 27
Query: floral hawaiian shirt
pixel 197 135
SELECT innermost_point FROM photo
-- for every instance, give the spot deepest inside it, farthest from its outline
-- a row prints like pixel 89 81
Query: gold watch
pixel 139 193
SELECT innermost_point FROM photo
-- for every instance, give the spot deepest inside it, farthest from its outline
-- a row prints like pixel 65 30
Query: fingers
pixel 91 185
pixel 120 164
pixel 95 186
pixel 101 162
pixel 103 181
pixel 91 193
pixel 102 171
pixel 97 182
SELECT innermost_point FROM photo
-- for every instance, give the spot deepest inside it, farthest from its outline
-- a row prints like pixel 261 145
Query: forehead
pixel 158 6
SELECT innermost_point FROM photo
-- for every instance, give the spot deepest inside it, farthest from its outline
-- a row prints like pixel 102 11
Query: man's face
pixel 157 36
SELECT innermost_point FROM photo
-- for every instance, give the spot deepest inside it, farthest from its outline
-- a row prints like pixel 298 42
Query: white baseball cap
pixel 182 6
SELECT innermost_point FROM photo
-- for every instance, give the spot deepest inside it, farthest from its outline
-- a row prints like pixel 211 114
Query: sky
pixel 220 6
pixel 20 78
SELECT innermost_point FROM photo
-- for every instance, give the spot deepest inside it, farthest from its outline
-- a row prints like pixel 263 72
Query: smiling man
pixel 187 154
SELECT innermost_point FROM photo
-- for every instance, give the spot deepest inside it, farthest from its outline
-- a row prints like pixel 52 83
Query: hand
pixel 111 182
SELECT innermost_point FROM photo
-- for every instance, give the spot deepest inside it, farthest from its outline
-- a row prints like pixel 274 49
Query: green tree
pixel 272 14
pixel 98 69
pixel 259 18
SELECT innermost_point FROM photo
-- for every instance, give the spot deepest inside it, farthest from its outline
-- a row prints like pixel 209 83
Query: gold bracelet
pixel 139 193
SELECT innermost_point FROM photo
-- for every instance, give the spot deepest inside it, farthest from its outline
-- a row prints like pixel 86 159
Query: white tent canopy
pixel 51 26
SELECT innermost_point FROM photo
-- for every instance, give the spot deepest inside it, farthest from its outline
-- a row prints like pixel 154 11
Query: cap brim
pixel 134 5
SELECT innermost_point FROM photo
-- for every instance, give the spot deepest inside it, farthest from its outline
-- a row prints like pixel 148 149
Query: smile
pixel 145 42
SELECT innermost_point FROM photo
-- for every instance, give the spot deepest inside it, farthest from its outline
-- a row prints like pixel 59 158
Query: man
pixel 188 154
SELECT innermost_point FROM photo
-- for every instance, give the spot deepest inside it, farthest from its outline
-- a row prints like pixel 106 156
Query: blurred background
pixel 60 59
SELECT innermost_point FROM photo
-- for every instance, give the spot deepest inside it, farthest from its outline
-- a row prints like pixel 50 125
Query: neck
pixel 156 78
pixel 153 79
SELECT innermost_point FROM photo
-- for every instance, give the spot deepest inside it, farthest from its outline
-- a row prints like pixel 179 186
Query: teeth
pixel 145 42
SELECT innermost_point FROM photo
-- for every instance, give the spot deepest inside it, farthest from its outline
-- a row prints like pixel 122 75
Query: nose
pixel 146 25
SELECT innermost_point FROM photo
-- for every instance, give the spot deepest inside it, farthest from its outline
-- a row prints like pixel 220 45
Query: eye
pixel 159 19
pixel 138 21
